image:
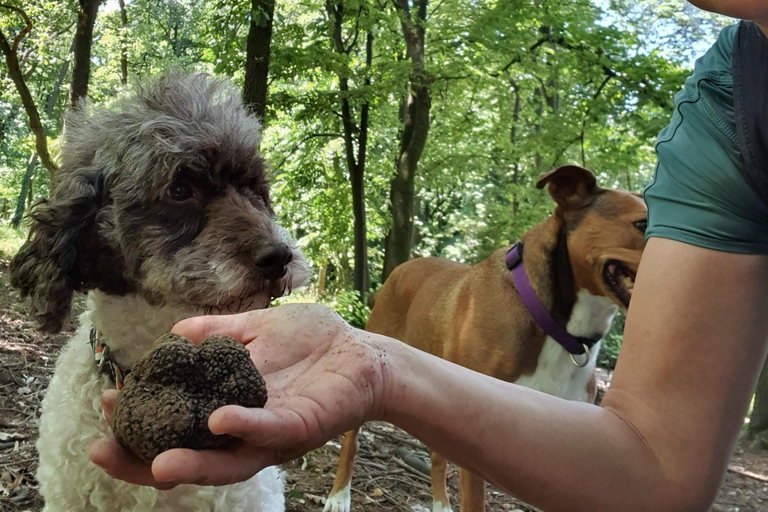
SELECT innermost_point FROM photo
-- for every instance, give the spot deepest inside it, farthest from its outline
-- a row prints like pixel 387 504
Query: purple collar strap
pixel 572 344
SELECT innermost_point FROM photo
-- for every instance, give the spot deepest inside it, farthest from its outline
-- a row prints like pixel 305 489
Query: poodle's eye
pixel 180 191
pixel 641 225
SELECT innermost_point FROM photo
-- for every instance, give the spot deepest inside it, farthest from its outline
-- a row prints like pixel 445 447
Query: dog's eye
pixel 180 191
pixel 641 225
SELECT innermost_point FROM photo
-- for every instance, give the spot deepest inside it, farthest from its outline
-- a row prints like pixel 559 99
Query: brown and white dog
pixel 580 261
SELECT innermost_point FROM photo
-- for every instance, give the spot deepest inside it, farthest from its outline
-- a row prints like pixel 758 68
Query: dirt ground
pixel 390 473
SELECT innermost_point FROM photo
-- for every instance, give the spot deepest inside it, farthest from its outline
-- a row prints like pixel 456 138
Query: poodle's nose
pixel 273 260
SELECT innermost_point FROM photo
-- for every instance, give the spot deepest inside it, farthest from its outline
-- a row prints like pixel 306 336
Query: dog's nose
pixel 273 260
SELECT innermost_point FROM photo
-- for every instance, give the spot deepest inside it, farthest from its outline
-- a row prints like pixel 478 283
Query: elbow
pixel 685 504
pixel 687 496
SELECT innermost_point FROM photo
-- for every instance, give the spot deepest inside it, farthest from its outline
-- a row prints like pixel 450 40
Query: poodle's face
pixel 204 236
pixel 162 195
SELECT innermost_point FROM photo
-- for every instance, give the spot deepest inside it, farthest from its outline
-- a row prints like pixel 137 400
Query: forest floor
pixel 389 476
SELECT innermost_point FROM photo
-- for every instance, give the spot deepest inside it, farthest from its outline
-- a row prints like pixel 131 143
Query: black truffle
pixel 170 393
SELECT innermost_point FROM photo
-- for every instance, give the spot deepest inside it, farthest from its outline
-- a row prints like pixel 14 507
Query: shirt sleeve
pixel 699 195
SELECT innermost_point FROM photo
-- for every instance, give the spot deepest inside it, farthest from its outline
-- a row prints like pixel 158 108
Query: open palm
pixel 323 378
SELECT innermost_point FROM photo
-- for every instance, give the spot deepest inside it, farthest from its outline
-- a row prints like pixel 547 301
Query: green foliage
pixel 10 241
pixel 347 304
pixel 609 350
pixel 516 87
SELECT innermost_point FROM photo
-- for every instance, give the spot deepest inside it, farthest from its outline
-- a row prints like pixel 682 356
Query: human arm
pixel 755 10
pixel 694 343
pixel 693 346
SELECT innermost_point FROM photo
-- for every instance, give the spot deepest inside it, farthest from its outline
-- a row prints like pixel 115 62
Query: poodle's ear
pixel 569 185
pixel 44 267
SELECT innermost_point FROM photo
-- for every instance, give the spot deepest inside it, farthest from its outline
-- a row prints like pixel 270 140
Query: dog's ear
pixel 44 267
pixel 569 185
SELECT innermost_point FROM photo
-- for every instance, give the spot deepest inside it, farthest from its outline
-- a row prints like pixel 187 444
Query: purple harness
pixel 572 344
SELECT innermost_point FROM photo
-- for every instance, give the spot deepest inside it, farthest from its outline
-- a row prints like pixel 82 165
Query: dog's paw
pixel 339 502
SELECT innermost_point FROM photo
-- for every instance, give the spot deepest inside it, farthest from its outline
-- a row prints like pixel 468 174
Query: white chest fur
pixel 555 372
pixel 72 420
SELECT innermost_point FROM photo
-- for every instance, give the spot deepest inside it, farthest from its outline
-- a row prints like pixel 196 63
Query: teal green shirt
pixel 698 195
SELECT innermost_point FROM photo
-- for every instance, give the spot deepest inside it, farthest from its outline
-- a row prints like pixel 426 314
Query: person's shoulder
pixel 718 57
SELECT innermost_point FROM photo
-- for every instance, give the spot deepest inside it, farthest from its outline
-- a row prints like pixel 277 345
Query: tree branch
pixel 14 71
pixel 31 71
pixel 353 36
pixel 81 63
pixel 517 59
pixel 461 77
pixel 439 4
pixel 301 143
pixel 565 148
pixel 27 26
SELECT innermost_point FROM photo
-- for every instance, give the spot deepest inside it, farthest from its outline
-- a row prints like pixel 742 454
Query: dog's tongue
pixel 612 268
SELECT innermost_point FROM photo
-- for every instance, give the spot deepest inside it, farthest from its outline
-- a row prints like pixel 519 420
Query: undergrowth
pixel 10 241
pixel 611 343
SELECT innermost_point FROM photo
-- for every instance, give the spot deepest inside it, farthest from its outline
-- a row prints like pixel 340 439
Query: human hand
pixel 323 378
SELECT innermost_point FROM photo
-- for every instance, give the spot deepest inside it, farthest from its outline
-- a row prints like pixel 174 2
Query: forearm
pixel 755 10
pixel 552 453
pixel 693 346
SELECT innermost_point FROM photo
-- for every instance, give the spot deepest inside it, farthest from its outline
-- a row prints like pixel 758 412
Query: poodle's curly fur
pixel 161 212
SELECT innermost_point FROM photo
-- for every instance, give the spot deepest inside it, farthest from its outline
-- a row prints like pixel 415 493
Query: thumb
pixel 108 404
pixel 276 429
pixel 240 327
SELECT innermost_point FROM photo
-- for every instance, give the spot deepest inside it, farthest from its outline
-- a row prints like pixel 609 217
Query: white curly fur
pixel 72 420
pixel 147 269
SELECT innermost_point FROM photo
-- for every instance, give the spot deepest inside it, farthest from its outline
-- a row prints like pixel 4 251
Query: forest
pixel 392 129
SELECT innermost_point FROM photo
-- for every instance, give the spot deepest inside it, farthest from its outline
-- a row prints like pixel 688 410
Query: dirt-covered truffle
pixel 170 393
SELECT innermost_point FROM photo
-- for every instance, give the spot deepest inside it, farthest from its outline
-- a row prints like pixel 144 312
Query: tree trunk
pixel 537 93
pixel 26 186
pixel 357 179
pixel 758 421
pixel 322 279
pixel 513 141
pixel 81 69
pixel 397 246
pixel 26 181
pixel 29 191
pixel 14 71
pixel 257 57
pixel 355 163
pixel 123 43
pixel 343 271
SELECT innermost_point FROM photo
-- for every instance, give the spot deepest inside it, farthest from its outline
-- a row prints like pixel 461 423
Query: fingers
pixel 237 326
pixel 210 467
pixel 265 428
pixel 108 404
pixel 180 466
pixel 120 464
pixel 246 326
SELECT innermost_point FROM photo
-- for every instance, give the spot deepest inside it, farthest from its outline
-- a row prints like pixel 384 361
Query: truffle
pixel 170 393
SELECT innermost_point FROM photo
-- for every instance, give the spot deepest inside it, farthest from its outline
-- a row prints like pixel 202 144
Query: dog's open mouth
pixel 620 280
